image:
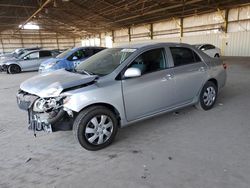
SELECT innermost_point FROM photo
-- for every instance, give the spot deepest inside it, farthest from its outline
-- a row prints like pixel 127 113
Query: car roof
pixel 152 44
pixel 39 50
pixel 83 47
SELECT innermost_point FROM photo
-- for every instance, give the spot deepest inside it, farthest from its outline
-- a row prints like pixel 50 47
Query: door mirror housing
pixel 75 58
pixel 25 58
pixel 132 72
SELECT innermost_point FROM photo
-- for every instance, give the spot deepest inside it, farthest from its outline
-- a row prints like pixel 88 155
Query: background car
pixel 69 59
pixel 17 52
pixel 29 61
pixel 209 49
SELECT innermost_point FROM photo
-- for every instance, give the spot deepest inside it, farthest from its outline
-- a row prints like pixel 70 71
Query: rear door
pixel 153 91
pixel 43 55
pixel 189 73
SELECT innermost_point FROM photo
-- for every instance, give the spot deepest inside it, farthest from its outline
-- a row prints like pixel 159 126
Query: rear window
pixel 45 53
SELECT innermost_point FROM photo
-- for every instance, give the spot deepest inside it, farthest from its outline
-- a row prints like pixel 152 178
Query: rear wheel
pixel 95 127
pixel 13 69
pixel 208 96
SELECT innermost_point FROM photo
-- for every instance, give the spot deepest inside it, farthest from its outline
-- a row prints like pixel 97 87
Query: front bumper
pixel 3 68
pixel 43 121
pixel 25 100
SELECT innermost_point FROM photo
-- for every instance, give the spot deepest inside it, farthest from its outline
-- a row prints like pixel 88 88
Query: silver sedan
pixel 120 86
pixel 29 61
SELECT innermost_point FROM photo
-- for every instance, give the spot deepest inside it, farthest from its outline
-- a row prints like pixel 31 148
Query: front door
pixel 153 91
pixel 29 61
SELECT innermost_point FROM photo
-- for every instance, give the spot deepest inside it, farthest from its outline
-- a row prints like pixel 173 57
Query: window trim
pixel 120 76
pixel 193 51
pixel 32 53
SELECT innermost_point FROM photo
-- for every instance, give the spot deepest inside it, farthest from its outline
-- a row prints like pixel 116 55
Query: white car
pixel 209 49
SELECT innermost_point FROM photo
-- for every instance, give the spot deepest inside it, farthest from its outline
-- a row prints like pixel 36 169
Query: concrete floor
pixel 190 149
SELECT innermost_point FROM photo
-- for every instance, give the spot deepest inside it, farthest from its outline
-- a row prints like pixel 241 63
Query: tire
pixel 13 69
pixel 207 96
pixel 217 55
pixel 89 130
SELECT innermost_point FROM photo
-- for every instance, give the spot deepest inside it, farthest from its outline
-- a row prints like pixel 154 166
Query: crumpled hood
pixel 4 60
pixel 52 84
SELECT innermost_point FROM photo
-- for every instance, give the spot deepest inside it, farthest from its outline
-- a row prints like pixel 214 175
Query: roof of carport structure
pixel 82 17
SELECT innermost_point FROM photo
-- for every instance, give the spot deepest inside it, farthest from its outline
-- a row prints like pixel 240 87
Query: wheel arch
pixel 109 106
pixel 214 81
pixel 9 64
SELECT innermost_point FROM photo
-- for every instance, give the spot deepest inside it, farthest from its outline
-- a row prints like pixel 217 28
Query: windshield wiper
pixel 84 71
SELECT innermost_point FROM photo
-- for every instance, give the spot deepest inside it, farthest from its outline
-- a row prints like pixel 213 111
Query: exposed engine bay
pixel 45 113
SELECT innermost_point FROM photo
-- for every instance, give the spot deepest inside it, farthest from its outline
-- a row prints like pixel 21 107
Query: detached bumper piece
pixel 3 68
pixel 37 124
pixel 25 100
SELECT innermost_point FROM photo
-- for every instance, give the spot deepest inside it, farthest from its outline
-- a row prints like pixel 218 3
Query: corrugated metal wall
pixel 33 38
pixel 207 28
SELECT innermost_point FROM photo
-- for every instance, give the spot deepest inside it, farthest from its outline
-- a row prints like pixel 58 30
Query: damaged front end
pixel 45 114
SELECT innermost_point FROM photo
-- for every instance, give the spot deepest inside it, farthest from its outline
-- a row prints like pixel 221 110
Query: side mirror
pixel 132 72
pixel 75 58
pixel 25 58
pixel 202 49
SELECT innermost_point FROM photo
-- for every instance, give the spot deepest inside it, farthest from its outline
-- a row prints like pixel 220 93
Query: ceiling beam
pixel 35 13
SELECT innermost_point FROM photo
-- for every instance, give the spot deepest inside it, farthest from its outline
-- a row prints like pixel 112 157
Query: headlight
pixel 49 65
pixel 43 105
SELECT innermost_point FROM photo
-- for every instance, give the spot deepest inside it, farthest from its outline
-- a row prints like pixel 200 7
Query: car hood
pixel 50 60
pixel 4 60
pixel 52 84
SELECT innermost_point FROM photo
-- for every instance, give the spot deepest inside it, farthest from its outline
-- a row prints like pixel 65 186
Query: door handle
pixel 201 69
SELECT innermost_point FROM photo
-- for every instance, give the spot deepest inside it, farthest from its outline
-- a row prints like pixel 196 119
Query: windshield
pixel 21 56
pixel 64 54
pixel 105 62
pixel 19 52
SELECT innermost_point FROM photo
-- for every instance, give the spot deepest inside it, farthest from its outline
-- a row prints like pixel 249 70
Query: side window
pixel 197 58
pixel 150 61
pixel 45 54
pixel 97 50
pixel 89 52
pixel 204 47
pixel 210 47
pixel 183 56
pixel 34 55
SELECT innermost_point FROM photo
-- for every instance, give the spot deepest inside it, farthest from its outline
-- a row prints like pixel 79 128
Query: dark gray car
pixel 120 86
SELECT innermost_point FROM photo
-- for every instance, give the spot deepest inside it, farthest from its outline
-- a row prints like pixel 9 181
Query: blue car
pixel 68 59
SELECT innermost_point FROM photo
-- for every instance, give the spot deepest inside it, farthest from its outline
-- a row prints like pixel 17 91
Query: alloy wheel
pixel 209 96
pixel 99 129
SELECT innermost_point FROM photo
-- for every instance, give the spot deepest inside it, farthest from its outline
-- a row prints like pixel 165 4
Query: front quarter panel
pixel 99 93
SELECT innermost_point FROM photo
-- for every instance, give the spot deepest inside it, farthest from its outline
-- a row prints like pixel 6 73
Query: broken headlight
pixel 44 105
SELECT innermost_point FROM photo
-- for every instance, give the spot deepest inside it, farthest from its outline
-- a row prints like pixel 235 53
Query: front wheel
pixel 207 96
pixel 95 127
pixel 13 69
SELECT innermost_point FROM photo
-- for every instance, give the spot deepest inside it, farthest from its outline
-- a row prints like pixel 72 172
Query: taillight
pixel 224 66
